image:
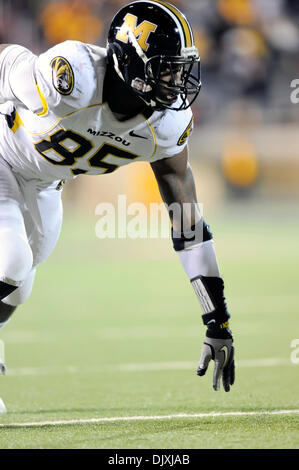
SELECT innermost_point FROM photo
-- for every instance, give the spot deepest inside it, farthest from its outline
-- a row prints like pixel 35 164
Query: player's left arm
pixel 193 242
pixel 63 76
pixel 17 78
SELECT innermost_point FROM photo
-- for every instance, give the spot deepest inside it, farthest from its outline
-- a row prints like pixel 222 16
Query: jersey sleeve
pixel 63 76
pixel 172 132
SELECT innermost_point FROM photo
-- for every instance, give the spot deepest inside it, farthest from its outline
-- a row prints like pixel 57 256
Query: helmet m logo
pixel 141 32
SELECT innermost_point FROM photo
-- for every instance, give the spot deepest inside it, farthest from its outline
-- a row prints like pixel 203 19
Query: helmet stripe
pixel 183 22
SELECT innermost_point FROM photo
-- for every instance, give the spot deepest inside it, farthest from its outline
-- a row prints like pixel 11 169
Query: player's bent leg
pixel 15 258
pixel 39 246
pixel 15 253
pixel 50 209
pixel 9 304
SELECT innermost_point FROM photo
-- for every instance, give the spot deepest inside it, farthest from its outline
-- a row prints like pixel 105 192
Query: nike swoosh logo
pixel 225 350
pixel 132 134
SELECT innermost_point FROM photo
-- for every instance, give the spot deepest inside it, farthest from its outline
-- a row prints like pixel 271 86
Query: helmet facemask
pixel 171 78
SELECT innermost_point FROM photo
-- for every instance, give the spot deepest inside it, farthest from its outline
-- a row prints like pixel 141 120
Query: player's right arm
pixel 193 241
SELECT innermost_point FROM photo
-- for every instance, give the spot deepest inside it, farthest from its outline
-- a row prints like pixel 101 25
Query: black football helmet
pixel 151 47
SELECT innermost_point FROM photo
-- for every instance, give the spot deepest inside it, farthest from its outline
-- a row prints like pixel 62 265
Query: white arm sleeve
pixel 200 260
pixel 17 78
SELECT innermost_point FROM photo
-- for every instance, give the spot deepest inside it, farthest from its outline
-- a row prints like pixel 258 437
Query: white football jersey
pixel 55 125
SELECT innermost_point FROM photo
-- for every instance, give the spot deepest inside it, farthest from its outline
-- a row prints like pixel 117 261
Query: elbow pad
pixel 17 78
pixel 187 239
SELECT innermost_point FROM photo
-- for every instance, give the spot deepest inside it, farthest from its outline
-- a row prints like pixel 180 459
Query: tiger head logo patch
pixel 141 32
pixel 62 76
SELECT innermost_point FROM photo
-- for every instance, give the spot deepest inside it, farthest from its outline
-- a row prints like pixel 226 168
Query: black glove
pixel 218 346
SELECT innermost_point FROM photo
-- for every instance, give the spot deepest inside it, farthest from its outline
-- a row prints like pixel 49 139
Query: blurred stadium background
pixel 245 155
pixel 245 143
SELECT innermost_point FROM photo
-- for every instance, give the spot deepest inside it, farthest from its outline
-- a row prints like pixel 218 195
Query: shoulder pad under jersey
pixel 172 131
pixel 70 74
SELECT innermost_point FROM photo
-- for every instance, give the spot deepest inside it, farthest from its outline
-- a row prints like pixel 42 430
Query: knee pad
pixel 21 294
pixel 15 253
pixel 16 256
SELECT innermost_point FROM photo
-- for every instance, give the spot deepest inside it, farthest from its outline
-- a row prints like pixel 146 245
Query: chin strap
pixel 137 82
pixel 144 58
pixel 116 66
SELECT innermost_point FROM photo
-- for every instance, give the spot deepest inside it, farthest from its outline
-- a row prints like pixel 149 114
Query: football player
pixel 83 109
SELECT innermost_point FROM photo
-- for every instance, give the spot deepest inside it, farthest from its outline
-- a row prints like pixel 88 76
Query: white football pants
pixel 30 223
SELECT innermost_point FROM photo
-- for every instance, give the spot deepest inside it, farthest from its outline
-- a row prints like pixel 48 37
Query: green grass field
pixel 113 330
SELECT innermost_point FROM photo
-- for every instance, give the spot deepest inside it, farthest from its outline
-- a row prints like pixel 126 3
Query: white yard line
pixel 147 418
pixel 139 367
